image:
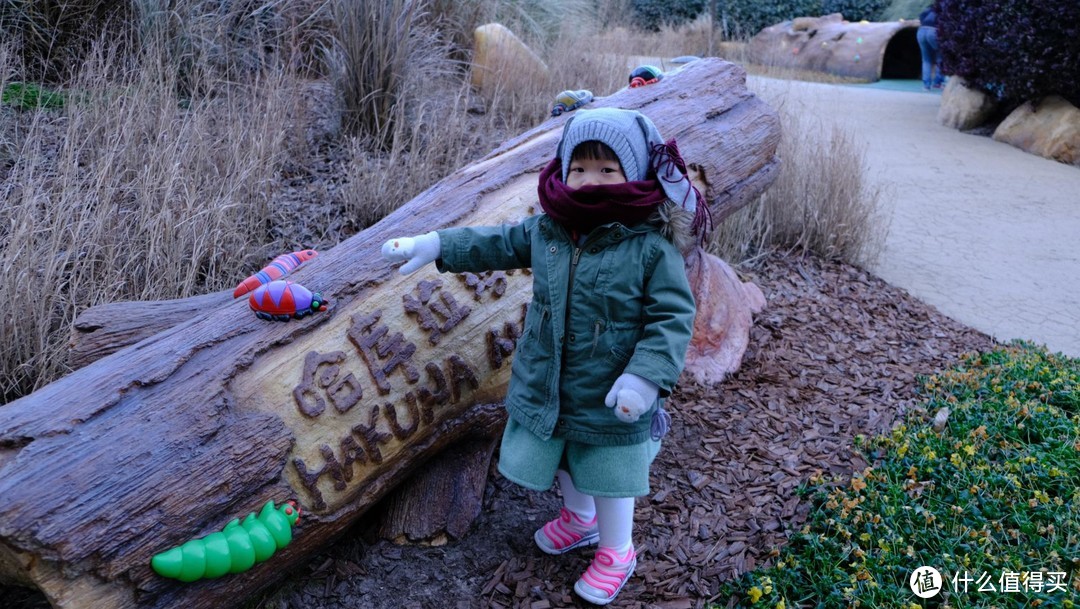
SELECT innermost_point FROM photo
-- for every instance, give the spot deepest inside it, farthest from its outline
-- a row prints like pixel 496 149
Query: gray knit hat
pixel 635 140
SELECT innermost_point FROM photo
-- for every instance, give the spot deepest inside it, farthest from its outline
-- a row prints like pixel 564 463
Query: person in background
pixel 928 46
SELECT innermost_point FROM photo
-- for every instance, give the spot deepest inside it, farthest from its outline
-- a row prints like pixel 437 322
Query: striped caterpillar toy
pixel 278 268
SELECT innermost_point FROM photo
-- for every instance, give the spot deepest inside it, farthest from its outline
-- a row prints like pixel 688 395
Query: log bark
pixel 171 437
pixel 440 501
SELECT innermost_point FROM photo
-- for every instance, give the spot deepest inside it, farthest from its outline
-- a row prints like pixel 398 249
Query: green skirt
pixel 600 471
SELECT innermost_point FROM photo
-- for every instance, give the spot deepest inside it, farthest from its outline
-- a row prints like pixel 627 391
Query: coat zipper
pixel 569 291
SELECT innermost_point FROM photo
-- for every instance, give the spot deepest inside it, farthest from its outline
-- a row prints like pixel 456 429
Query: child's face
pixel 594 172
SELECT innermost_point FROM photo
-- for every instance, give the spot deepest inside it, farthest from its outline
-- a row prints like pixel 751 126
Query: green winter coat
pixel 630 310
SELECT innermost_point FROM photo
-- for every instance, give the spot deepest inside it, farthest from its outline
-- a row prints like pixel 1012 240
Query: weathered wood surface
pixel 174 436
pixel 865 50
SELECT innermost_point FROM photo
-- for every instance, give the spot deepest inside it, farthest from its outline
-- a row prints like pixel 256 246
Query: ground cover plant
pixel 982 482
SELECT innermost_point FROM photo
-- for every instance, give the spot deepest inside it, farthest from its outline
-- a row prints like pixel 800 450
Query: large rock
pixel 502 60
pixel 964 108
pixel 1049 128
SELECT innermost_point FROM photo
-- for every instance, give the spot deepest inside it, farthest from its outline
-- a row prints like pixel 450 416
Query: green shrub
pixel 651 14
pixel 855 10
pixel 27 96
pixel 744 18
pixel 1015 49
pixel 902 9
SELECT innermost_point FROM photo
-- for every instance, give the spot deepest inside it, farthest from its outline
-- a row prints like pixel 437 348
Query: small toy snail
pixel 645 75
pixel 568 101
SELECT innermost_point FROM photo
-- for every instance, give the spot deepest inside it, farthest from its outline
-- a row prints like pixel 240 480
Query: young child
pixel 605 335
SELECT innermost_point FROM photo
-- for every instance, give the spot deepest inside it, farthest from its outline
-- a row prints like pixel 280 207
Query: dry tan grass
pixel 820 204
pixel 126 195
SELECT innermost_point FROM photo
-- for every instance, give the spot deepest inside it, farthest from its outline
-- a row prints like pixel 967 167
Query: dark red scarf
pixel 629 203
pixel 588 207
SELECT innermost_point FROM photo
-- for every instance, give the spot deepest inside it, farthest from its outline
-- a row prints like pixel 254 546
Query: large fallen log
pixel 868 51
pixel 171 438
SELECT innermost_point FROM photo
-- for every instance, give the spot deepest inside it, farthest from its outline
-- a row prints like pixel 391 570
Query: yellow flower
pixel 781 605
pixel 858 484
pixel 754 594
pixel 970 450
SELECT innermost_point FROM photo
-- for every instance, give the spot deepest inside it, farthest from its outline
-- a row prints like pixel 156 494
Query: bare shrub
pixel 50 36
pixel 441 136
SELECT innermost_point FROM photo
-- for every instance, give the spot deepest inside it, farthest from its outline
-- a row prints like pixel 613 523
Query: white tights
pixel 614 515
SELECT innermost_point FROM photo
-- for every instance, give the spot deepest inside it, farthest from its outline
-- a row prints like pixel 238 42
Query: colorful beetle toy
pixel 283 300
pixel 236 548
pixel 568 101
pixel 645 75
pixel 278 268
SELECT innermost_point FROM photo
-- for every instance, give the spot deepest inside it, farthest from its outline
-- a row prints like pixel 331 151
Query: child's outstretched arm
pixel 415 251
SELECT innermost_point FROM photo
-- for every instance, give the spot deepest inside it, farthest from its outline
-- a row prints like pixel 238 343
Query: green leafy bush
pixel 902 9
pixel 855 10
pixel 744 18
pixel 1015 49
pixel 651 14
pixel 27 96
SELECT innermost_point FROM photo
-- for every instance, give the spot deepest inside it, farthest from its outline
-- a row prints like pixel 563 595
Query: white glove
pixel 631 396
pixel 416 251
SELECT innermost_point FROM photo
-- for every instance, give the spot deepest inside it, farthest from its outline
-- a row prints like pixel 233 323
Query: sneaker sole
pixel 603 601
pixel 587 540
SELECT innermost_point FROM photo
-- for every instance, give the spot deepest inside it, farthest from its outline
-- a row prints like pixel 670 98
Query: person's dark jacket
pixel 928 18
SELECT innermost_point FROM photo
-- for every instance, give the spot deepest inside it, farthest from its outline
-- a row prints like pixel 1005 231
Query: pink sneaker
pixel 566 533
pixel 606 575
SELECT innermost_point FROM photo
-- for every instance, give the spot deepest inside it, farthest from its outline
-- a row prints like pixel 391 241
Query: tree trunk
pixel 172 437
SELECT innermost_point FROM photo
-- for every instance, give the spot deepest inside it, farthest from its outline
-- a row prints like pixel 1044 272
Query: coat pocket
pixel 536 320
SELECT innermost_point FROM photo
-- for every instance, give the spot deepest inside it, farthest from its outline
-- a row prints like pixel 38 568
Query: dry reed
pixel 821 203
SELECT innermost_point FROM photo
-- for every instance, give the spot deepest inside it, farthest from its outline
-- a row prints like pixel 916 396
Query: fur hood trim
pixel 675 224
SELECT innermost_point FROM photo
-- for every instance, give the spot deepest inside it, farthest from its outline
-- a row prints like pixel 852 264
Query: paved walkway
pixel 988 234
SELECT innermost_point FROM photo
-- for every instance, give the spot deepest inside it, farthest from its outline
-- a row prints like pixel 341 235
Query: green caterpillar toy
pixel 236 548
